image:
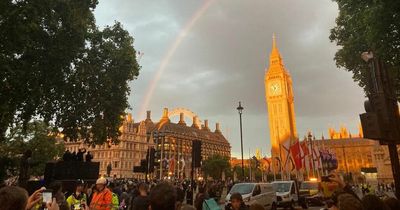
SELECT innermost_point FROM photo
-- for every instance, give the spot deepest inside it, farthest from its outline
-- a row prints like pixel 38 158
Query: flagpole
pixel 250 177
pixel 287 160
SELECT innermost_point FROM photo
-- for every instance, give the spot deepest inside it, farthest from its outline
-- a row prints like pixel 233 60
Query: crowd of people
pixel 165 195
pixel 77 156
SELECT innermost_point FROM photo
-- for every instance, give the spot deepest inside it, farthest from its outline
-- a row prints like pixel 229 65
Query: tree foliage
pixel 368 25
pixel 215 165
pixel 56 64
pixel 37 138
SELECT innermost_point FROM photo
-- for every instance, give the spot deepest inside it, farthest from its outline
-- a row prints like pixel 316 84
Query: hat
pixel 101 180
pixel 80 182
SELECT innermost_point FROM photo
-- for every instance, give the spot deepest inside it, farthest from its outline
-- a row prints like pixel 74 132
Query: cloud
pixel 222 60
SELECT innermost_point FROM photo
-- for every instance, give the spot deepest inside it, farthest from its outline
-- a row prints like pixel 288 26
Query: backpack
pixel 210 204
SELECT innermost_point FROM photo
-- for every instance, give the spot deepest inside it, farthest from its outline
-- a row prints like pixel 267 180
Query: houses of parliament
pixel 364 158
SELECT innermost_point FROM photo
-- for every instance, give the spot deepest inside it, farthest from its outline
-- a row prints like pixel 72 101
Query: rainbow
pixel 166 59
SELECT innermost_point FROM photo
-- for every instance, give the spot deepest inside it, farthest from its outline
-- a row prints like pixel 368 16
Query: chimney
pixel 181 119
pixel 148 113
pixel 195 125
pixel 165 115
pixel 217 129
pixel 206 125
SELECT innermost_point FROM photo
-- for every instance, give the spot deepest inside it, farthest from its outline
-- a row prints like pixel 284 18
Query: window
pixel 257 190
pixel 115 164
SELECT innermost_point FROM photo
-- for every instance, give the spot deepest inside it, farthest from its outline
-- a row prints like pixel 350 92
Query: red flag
pixel 172 165
pixel 296 156
pixel 304 147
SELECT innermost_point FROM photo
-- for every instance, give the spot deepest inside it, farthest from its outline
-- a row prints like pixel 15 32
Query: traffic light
pixel 379 121
pixel 196 153
pixel 152 160
pixel 370 122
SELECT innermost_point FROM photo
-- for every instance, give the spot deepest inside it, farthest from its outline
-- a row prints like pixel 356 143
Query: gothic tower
pixel 280 104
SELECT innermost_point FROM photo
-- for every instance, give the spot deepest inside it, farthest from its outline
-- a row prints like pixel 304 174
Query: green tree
pixel 39 139
pixel 368 25
pixel 215 165
pixel 56 64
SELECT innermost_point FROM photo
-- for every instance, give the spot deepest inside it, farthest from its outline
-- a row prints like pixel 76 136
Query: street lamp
pixel 240 110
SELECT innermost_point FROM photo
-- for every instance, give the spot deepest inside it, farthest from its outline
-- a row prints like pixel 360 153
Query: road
pixel 297 208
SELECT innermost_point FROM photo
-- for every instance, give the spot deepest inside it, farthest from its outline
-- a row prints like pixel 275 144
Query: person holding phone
pixel 78 200
pixel 16 198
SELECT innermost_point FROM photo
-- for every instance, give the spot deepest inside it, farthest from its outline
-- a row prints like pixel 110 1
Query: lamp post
pixel 240 110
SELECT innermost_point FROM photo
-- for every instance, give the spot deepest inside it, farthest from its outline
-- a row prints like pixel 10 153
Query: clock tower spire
pixel 280 107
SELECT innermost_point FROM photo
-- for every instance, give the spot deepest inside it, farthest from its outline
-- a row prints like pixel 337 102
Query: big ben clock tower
pixel 280 104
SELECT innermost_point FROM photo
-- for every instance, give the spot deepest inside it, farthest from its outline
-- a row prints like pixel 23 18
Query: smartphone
pixel 47 196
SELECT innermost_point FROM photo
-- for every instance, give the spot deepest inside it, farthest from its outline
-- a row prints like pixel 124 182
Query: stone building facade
pixel 174 144
pixel 123 156
pixel 353 154
pixel 383 163
pixel 174 139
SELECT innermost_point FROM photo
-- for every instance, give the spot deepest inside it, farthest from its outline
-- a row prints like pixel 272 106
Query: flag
pixel 317 157
pixel 171 164
pixel 286 153
pixel 296 155
pixel 269 164
pixel 304 148
pixel 305 155
pixel 334 161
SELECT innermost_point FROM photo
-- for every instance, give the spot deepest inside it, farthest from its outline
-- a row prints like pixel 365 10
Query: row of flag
pixel 301 155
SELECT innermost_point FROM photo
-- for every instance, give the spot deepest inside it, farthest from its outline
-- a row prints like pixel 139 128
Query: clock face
pixel 275 88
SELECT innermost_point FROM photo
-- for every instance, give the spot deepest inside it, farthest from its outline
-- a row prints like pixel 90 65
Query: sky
pixel 209 55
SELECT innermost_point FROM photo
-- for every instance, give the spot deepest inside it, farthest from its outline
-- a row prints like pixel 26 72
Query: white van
pixel 286 193
pixel 261 193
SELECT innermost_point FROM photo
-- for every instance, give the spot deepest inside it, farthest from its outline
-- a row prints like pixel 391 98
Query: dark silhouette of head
pixel 392 203
pixel 371 202
pixel 163 197
pixel 13 198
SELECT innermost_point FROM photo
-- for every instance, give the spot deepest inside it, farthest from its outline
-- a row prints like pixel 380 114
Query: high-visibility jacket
pixel 115 202
pixel 101 200
pixel 72 201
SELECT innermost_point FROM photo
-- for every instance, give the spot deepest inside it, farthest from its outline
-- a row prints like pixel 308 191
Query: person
pixel 187 207
pixel 392 203
pixel 78 200
pixel 201 197
pixel 372 202
pixel 115 198
pixel 347 201
pixel 102 197
pixel 16 198
pixel 79 155
pixel 189 195
pixel 57 193
pixel 89 157
pixel 74 157
pixel 256 206
pixel 142 201
pixel 180 197
pixel 66 156
pixel 163 197
pixel 25 165
pixel 236 203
